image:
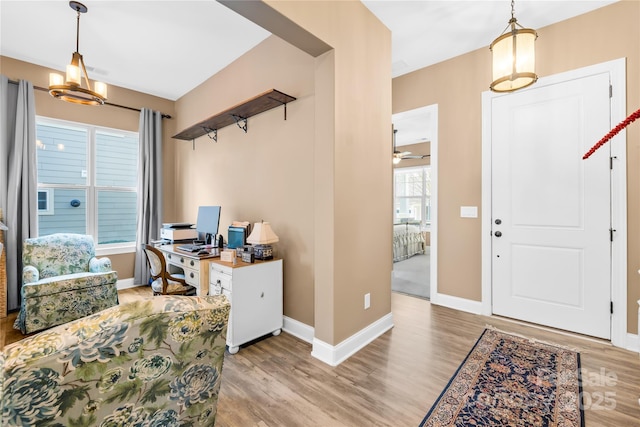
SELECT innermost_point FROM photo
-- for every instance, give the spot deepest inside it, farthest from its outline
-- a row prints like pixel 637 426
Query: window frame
pixel 90 186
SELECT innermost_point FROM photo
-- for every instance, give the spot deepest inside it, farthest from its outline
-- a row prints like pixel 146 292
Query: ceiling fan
pixel 398 156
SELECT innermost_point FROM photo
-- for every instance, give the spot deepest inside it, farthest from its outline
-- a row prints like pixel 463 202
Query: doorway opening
pixel 415 201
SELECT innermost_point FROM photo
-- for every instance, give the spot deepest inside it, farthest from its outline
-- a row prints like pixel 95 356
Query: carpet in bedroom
pixel 411 276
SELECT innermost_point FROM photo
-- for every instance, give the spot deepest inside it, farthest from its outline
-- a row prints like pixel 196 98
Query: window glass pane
pixel 66 218
pixel 427 174
pixel 116 160
pixel 61 154
pixel 412 195
pixel 42 200
pixel 116 216
pixel 427 209
pixel 87 195
pixel 408 209
pixel 409 183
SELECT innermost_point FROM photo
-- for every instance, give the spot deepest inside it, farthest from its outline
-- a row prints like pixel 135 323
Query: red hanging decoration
pixel 623 124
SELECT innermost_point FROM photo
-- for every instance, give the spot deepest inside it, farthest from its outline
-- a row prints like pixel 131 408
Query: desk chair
pixel 165 283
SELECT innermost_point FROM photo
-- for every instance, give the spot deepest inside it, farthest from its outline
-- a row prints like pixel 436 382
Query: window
pixel 412 196
pixel 45 202
pixel 87 181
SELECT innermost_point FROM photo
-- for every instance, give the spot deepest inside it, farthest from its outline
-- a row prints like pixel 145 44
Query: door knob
pixel 498 233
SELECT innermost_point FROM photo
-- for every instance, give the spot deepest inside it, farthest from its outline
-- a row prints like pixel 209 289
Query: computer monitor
pixel 208 222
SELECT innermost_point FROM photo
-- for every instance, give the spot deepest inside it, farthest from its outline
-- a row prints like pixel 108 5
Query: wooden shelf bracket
pixel 210 131
pixel 239 120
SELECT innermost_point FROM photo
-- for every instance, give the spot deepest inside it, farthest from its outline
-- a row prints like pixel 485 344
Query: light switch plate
pixel 468 212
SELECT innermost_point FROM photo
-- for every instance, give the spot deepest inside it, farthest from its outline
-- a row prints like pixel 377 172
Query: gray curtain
pixel 149 188
pixel 18 177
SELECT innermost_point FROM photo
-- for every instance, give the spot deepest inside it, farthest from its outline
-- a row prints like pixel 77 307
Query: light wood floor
pixel 395 379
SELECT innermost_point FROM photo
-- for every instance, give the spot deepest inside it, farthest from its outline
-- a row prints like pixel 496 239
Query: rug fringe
pixel 533 340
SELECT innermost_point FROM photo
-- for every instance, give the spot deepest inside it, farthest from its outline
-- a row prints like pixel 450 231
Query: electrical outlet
pixel 367 301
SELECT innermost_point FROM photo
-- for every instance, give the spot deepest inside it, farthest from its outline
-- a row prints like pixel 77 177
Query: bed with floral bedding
pixel 152 362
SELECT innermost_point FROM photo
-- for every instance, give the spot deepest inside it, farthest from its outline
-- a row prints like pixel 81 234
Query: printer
pixel 178 232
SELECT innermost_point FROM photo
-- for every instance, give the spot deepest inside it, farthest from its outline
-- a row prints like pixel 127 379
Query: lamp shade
pixel 262 234
pixel 514 59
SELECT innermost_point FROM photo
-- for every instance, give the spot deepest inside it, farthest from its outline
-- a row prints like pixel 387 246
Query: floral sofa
pixel 152 362
pixel 62 280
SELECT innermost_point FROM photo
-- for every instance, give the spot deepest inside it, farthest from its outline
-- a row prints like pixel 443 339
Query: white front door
pixel 551 210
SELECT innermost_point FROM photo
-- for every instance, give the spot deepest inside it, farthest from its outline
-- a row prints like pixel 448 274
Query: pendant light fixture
pixel 514 57
pixel 72 90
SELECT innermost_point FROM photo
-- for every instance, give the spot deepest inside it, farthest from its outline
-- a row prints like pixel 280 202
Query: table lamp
pixel 262 236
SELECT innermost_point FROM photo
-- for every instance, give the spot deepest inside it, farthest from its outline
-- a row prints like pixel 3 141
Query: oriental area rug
pixel 508 380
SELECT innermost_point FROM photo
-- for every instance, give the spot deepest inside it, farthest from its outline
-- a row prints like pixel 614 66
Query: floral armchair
pixel 62 280
pixel 152 362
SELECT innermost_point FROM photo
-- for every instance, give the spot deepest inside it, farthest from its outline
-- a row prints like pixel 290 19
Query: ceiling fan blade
pixel 417 157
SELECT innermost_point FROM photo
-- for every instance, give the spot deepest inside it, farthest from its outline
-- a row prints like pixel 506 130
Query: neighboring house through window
pixel 412 196
pixel 87 181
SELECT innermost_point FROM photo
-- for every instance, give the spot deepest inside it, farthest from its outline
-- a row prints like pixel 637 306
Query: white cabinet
pixel 255 293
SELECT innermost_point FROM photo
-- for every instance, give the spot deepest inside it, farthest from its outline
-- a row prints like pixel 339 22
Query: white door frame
pixel 617 71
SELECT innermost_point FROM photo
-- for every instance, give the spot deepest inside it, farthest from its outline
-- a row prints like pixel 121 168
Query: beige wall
pixel 265 174
pixel 106 116
pixel 456 85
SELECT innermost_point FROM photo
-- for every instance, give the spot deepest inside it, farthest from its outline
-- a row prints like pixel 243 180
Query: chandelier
pixel 513 57
pixel 72 90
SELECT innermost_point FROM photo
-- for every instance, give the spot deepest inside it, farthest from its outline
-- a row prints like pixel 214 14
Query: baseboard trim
pixel 126 284
pixel 457 303
pixel 334 355
pixel 298 329
pixel 633 343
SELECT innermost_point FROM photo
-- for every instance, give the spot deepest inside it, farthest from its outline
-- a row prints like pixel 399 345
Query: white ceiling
pixel 167 48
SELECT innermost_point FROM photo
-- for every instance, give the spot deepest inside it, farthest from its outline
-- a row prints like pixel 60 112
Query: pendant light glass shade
pixel 70 89
pixel 514 58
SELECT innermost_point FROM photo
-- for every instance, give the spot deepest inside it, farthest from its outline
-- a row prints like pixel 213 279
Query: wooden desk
pixel 194 267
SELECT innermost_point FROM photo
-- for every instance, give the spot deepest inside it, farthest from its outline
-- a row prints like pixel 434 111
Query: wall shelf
pixel 237 114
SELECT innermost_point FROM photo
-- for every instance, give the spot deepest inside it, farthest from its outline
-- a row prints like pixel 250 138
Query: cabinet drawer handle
pixel 262 295
pixel 169 256
pixel 191 275
pixel 182 260
pixel 192 263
